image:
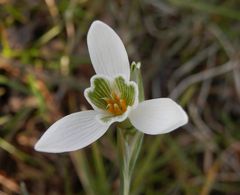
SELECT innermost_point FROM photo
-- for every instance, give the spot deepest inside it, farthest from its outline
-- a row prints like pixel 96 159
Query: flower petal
pixel 107 52
pixel 158 116
pixel 100 88
pixel 109 119
pixel 127 89
pixel 103 87
pixel 72 132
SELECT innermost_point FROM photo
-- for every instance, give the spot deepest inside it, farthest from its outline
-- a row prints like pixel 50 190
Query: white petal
pixel 107 52
pixel 158 116
pixel 72 132
pixel 104 117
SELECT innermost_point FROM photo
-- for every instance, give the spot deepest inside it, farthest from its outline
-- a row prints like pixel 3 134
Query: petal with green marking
pixel 127 90
pixel 100 89
pixel 106 93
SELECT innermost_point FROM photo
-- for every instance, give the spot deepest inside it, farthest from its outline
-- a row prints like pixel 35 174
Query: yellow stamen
pixel 110 108
pixel 117 110
pixel 123 104
pixel 115 97
pixel 115 105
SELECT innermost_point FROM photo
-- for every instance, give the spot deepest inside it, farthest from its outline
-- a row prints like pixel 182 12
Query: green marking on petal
pixel 106 119
pixel 101 90
pixel 127 91
pixel 112 96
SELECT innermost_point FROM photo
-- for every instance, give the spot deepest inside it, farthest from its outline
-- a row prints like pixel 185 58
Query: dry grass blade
pixel 198 77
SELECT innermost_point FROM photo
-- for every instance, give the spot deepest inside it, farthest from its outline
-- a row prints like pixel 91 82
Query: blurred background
pixel 189 50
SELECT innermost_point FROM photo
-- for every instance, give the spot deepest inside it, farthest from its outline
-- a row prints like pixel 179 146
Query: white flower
pixel 113 97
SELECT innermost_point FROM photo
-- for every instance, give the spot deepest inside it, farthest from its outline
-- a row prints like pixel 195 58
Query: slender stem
pixel 126 186
pixel 129 145
pixel 129 139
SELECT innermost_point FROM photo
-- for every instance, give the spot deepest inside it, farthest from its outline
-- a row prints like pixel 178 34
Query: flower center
pixel 116 105
pixel 111 96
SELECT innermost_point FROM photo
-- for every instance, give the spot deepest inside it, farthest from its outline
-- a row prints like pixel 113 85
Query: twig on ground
pixel 201 76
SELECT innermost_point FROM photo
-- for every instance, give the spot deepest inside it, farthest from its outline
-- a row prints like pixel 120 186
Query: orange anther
pixel 123 105
pixel 115 105
pixel 110 108
pixel 115 96
pixel 117 110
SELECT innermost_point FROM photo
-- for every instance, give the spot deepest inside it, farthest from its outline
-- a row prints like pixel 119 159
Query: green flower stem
pixel 129 139
pixel 129 145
